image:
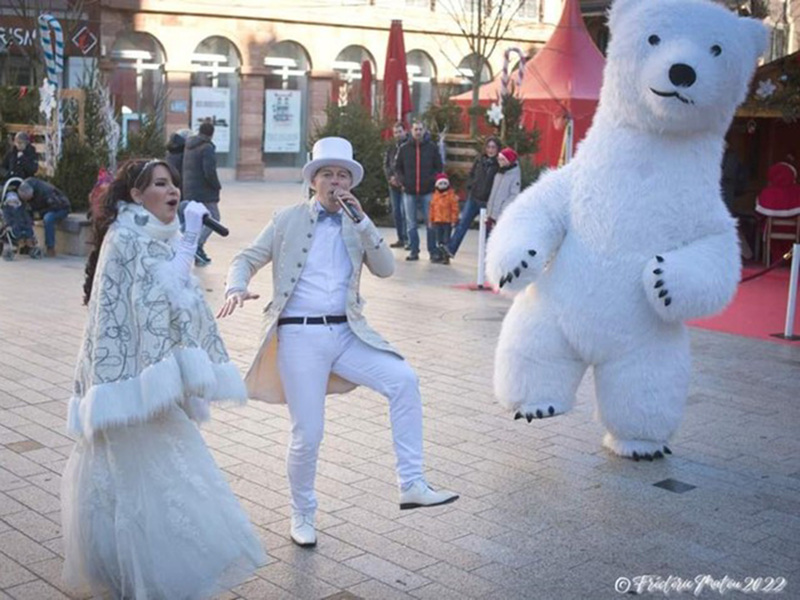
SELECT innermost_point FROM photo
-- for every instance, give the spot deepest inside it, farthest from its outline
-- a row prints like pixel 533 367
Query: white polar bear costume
pixel 614 251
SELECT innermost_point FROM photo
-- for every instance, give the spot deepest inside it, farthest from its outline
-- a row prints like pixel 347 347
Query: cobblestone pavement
pixel 544 513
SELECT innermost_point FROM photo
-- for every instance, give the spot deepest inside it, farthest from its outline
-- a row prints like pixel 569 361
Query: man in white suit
pixel 317 340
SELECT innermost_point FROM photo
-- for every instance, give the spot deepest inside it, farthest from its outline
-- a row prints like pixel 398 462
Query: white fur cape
pixel 150 339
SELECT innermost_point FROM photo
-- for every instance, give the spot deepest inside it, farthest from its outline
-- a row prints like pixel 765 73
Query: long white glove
pixel 181 265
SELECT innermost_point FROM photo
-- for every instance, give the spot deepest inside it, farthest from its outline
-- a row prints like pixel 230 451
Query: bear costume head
pixel 677 66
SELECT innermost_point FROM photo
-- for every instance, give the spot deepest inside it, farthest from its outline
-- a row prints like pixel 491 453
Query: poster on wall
pixel 282 127
pixel 214 104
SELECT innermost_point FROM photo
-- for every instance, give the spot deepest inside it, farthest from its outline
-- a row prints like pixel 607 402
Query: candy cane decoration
pixel 505 77
pixel 53 48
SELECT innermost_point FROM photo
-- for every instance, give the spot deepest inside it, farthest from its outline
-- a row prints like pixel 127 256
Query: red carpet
pixel 758 310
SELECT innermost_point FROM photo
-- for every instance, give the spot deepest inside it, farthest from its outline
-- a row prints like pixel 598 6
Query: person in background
pixel 444 213
pixel 175 150
pixel 50 203
pixel 21 161
pixel 418 161
pixel 395 188
pixel 479 186
pixel 505 187
pixel 200 180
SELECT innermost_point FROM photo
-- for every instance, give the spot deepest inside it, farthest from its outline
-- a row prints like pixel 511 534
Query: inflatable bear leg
pixel 641 396
pixel 536 372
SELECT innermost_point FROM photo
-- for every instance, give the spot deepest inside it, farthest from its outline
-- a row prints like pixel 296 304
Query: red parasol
pixel 395 76
pixel 366 85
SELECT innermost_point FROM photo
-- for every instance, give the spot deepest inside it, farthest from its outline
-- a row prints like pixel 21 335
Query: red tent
pixel 563 78
pixel 394 72
pixel 366 85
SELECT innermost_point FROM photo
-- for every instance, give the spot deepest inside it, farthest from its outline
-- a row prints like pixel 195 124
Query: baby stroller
pixel 16 224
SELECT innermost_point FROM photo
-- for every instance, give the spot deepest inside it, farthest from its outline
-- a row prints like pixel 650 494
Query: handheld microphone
pixel 346 207
pixel 208 221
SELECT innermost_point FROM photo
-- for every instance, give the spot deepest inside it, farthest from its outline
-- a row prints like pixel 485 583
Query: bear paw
pixel 542 410
pixel 518 273
pixel 656 286
pixel 636 449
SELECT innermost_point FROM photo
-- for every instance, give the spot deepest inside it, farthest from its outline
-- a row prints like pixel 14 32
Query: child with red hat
pixel 443 215
pixel 505 187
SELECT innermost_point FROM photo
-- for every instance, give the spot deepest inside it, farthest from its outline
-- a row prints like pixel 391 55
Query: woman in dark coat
pixel 21 160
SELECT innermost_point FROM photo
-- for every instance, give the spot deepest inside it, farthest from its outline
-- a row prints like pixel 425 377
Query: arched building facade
pixel 269 58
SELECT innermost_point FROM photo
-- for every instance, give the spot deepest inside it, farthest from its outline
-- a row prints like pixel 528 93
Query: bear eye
pixel 716 50
pixel 654 40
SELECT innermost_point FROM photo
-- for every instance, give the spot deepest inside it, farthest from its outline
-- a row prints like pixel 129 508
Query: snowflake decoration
pixel 765 89
pixel 495 114
pixel 47 98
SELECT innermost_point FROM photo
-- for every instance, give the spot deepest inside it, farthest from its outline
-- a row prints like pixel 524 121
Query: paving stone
pixel 22 548
pixel 386 572
pixel 33 525
pixel 296 581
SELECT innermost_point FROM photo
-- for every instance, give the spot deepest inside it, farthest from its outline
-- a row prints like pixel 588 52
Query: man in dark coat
pixel 175 148
pixel 395 188
pixel 51 204
pixel 479 188
pixel 21 160
pixel 200 181
pixel 418 162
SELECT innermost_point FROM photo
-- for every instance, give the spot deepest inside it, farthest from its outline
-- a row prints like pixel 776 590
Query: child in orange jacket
pixel 443 215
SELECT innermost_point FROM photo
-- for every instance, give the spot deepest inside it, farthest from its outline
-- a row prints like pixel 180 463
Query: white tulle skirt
pixel 147 514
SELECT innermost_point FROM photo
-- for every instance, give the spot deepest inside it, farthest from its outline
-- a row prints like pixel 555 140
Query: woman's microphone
pixel 208 220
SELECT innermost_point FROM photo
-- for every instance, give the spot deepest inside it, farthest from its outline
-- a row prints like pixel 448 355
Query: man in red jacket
pixel 417 164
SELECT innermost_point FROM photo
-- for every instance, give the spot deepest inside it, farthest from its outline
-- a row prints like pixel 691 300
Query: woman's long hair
pixel 137 174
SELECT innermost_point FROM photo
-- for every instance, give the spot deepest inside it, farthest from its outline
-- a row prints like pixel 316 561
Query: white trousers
pixel 307 355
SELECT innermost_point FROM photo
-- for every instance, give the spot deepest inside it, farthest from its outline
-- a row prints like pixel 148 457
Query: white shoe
pixel 421 494
pixel 303 532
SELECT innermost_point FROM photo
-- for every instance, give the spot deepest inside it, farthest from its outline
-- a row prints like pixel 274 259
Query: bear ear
pixel 758 32
pixel 619 7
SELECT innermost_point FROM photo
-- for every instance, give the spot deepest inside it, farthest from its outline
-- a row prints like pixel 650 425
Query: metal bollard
pixel 481 279
pixel 791 304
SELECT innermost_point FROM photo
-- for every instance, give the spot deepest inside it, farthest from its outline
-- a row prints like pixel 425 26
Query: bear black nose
pixel 682 75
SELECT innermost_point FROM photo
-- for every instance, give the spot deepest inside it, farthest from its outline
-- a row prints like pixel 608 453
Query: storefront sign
pixel 19 36
pixel 282 127
pixel 213 104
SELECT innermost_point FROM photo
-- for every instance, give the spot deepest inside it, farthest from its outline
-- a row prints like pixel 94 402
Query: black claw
pixel 649 457
pixel 529 417
pixel 663 293
pixel 524 264
pixel 502 281
pixel 667 301
pixel 516 272
pixel 657 272
pixel 539 414
pixel 658 454
pixel 659 258
pixel 667 450
pixel 551 410
pixel 659 283
pixel 635 456
pixel 517 416
pixel 532 252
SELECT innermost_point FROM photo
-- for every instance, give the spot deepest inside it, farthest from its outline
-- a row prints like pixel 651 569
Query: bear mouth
pixel 672 95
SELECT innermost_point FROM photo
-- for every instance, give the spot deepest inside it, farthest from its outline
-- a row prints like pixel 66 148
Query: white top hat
pixel 333 151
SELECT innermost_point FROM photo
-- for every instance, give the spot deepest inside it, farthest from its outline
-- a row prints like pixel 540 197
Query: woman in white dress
pixel 147 514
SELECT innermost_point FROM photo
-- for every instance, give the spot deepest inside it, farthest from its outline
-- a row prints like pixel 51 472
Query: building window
pixel 348 63
pixel 16 70
pixel 288 68
pixel 531 9
pixel 421 79
pixel 466 68
pixel 215 94
pixel 137 82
